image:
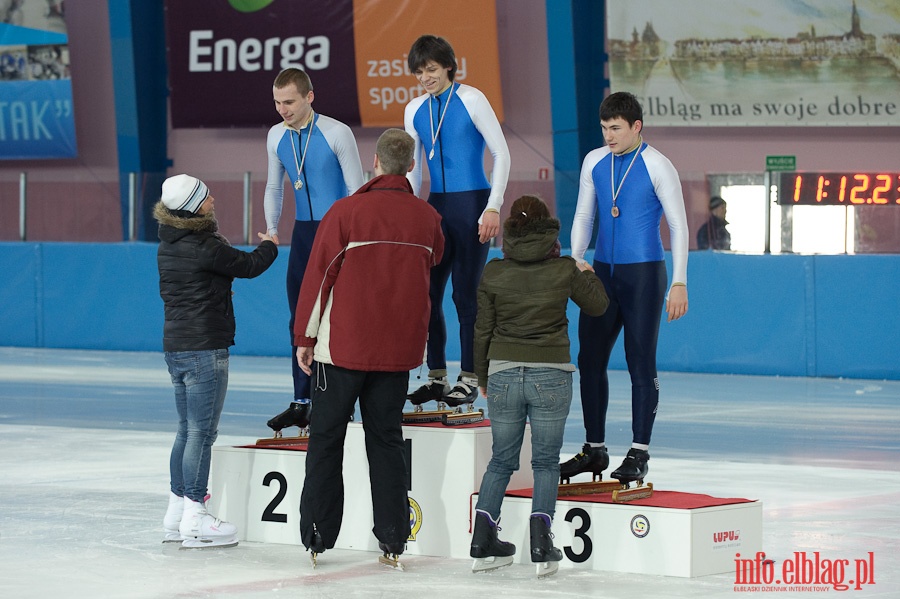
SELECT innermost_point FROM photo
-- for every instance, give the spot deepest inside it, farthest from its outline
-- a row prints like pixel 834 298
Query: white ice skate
pixel 545 569
pixel 172 519
pixel 200 529
pixel 489 564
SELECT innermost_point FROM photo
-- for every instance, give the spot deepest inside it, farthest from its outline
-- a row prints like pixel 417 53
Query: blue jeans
pixel 543 395
pixel 200 379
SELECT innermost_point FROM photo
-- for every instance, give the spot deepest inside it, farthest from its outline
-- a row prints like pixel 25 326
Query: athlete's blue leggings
pixel 636 294
pixel 301 247
pixel 463 260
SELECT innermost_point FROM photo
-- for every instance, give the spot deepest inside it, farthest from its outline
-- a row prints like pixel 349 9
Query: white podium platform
pixel 259 489
pixel 641 539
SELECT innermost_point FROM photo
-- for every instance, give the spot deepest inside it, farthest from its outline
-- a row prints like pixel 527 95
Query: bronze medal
pixel 615 211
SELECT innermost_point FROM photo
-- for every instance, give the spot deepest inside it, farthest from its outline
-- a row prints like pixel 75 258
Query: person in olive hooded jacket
pixel 196 268
pixel 524 368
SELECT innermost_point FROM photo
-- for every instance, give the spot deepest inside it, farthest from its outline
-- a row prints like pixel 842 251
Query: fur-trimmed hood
pixel 532 241
pixel 175 224
pixel 182 219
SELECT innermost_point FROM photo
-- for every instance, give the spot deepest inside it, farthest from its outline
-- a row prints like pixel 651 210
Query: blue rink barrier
pixel 790 315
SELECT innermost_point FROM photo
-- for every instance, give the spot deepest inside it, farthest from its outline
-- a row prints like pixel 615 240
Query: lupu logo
pixel 249 5
pixel 726 536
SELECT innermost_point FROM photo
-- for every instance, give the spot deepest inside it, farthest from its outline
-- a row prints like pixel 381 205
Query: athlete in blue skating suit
pixel 321 160
pixel 452 123
pixel 630 185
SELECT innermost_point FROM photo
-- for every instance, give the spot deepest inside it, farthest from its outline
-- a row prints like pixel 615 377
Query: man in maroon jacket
pixel 363 316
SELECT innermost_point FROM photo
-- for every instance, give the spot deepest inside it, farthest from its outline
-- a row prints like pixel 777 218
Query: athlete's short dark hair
pixel 294 76
pixel 621 104
pixel 432 47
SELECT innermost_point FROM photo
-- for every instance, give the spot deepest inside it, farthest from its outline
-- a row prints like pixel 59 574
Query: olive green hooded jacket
pixel 523 296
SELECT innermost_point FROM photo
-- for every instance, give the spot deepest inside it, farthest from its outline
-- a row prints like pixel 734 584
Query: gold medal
pixel 615 211
pixel 298 184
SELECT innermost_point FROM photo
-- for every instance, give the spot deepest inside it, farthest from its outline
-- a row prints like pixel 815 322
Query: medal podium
pixel 258 489
pixel 674 534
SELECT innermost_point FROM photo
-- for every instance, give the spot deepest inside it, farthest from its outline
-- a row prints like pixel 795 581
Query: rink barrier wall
pixel 788 315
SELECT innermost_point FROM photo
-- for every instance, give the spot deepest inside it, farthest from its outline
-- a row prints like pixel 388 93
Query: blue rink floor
pixel 85 436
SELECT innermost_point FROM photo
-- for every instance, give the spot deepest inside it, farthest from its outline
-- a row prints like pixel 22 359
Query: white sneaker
pixel 199 528
pixel 172 519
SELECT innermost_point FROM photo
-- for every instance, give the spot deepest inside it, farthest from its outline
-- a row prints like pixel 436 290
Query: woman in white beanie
pixel 196 268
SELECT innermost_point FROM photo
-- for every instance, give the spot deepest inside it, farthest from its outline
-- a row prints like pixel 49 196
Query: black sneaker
pixel 634 466
pixel 461 393
pixel 591 459
pixel 433 390
pixel 297 414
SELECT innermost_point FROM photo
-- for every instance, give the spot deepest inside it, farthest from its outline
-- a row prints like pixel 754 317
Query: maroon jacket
pixel 364 299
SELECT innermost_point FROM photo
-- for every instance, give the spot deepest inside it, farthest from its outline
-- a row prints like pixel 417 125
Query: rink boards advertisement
pixel 36 114
pixel 758 63
pixel 223 56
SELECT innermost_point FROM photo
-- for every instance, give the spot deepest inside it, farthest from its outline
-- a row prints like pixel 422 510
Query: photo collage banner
pixel 37 119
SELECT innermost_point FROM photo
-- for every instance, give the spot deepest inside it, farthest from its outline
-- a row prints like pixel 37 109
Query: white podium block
pixel 640 539
pixel 259 489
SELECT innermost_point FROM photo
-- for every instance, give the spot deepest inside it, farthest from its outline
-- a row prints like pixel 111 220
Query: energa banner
pixel 223 56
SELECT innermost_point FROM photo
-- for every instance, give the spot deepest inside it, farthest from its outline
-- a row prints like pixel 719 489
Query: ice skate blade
pixel 626 494
pixel 489 564
pixel 391 560
pixel 421 417
pixel 173 537
pixel 299 440
pixel 314 559
pixel 592 488
pixel 207 543
pixel 457 418
pixel 545 569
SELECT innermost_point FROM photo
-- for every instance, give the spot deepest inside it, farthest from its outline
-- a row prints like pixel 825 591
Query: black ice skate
pixel 543 553
pixel 391 554
pixel 315 547
pixel 463 393
pixel 590 459
pixel 433 390
pixel 489 551
pixel 297 415
pixel 634 468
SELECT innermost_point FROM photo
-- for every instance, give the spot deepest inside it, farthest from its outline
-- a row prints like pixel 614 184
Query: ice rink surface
pixel 85 437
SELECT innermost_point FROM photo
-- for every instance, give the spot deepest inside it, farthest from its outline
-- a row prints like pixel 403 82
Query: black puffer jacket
pixel 523 297
pixel 196 268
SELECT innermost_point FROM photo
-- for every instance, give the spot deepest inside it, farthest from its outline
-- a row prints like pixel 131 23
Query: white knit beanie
pixel 183 192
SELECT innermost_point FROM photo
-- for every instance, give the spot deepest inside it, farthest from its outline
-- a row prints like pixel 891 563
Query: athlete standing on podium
pixel 321 159
pixel 451 124
pixel 629 185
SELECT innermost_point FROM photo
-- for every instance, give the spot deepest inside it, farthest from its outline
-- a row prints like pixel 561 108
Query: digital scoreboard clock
pixel 839 189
